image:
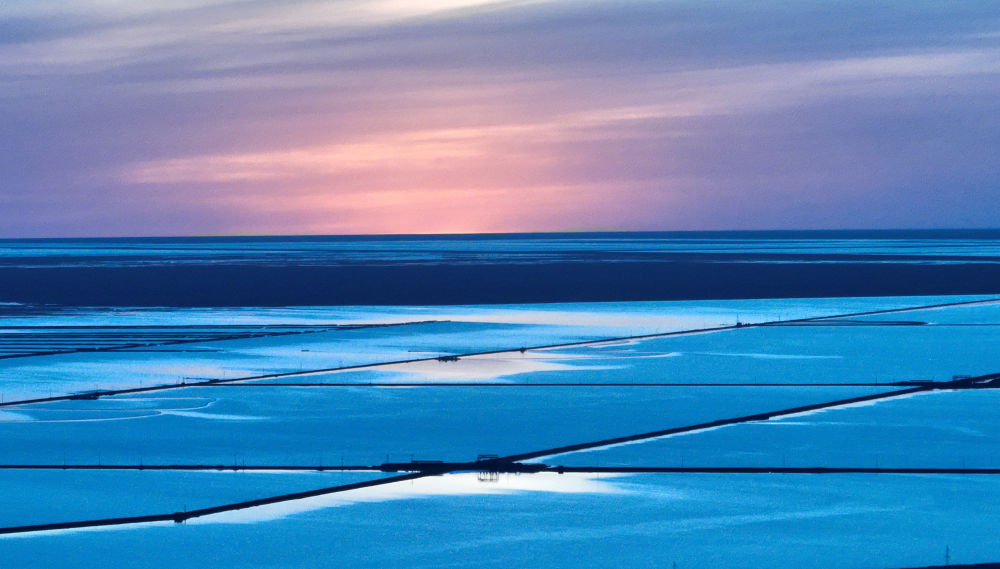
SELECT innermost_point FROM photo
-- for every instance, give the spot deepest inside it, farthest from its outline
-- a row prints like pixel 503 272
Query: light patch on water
pixel 610 344
pixel 475 368
pixel 113 409
pixel 126 404
pixel 213 416
pixel 871 403
pixel 492 366
pixel 461 484
pixel 9 417
pixel 140 402
pixel 643 322
pixel 123 417
pixel 646 356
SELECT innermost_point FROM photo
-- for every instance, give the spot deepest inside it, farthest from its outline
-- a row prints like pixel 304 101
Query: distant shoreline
pixel 194 285
pixel 506 269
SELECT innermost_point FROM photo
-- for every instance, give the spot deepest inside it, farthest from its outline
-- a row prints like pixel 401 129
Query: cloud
pixel 658 101
pixel 251 116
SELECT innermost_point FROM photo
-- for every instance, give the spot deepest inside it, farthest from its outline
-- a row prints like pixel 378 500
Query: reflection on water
pixel 460 484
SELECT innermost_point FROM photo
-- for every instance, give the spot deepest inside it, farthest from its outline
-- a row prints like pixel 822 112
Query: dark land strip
pixel 132 390
pixel 583 277
pixel 432 467
pixel 514 463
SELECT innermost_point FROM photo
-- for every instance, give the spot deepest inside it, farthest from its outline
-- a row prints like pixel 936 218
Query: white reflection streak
pixel 772 421
pixel 461 484
pixel 859 404
pixel 474 368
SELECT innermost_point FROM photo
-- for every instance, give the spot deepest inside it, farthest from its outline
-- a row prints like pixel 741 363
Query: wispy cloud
pixel 672 97
pixel 351 115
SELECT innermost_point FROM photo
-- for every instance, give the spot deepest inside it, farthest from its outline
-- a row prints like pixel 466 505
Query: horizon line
pixel 559 233
pixel 498 234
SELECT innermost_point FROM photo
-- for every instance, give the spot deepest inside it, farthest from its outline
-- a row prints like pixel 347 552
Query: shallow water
pixel 465 519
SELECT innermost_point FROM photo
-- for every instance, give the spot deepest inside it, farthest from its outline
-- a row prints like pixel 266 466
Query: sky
pixel 244 117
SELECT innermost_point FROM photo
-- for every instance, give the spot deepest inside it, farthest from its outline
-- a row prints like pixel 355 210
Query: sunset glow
pixel 398 116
